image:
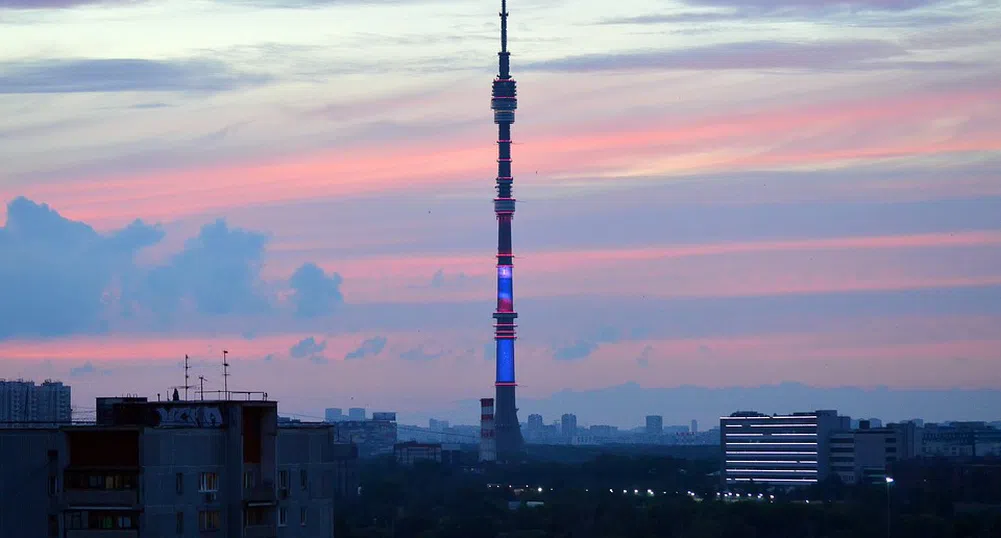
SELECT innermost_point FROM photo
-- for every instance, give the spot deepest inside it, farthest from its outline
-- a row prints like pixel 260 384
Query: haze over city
pixel 718 193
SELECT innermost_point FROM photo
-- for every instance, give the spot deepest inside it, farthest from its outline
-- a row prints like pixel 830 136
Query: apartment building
pixel 179 468
pixel 23 404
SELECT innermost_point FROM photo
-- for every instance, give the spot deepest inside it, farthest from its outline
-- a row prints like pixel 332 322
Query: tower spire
pixel 503 16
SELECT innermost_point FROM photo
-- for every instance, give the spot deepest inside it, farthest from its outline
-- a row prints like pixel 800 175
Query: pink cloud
pixel 725 142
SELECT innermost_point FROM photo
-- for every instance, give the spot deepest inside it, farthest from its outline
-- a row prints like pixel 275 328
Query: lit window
pixel 208 482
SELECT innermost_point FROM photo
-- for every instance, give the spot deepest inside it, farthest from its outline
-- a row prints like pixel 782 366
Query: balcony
pixel 259 531
pixel 102 533
pixel 263 493
pixel 101 497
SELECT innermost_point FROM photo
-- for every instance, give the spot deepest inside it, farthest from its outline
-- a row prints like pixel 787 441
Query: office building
pixel 695 426
pixel 863 455
pixel 23 404
pixel 332 414
pixel 778 450
pixel 179 468
pixel 960 440
pixel 654 425
pixel 356 413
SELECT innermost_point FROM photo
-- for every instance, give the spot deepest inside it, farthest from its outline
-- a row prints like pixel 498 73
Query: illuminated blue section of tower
pixel 505 361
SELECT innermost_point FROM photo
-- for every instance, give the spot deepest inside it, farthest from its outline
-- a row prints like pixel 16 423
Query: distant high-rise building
pixel 356 413
pixel 695 426
pixel 654 424
pixel 333 414
pixel 568 426
pixel 535 422
pixel 24 404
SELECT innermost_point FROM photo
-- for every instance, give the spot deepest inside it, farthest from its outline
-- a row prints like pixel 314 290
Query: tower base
pixel 509 441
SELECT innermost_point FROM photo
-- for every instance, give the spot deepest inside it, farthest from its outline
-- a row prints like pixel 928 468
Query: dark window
pixel 303 478
pixel 179 479
pixel 179 517
pixel 53 526
pixel 75 520
pixel 209 521
pixel 302 516
pixel 53 484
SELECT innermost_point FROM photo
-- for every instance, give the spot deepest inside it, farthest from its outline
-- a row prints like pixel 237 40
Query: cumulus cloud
pixel 88 368
pixel 316 294
pixel 581 349
pixel 219 270
pixel 307 347
pixel 55 273
pixel 121 75
pixel 439 279
pixel 584 347
pixel 421 354
pixel 61 277
pixel 370 347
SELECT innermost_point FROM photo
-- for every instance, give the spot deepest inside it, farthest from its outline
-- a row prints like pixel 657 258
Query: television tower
pixel 504 102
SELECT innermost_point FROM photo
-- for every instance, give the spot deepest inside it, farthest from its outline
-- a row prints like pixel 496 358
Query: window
pixel 53 526
pixel 248 479
pixel 208 482
pixel 75 520
pixel 304 479
pixel 208 520
pixel 282 517
pixel 179 517
pixel 254 517
pixel 283 479
pixel 53 484
pixel 179 483
pixel 302 516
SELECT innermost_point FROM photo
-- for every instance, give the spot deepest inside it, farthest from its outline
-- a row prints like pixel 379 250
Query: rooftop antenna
pixel 225 374
pixel 201 386
pixel 186 384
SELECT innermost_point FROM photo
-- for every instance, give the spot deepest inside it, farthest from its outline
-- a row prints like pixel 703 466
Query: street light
pixel 889 480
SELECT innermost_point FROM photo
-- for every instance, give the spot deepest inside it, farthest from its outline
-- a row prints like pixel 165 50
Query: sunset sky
pixel 717 193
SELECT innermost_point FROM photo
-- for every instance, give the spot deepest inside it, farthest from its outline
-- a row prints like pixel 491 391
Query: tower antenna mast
pixel 225 375
pixel 186 384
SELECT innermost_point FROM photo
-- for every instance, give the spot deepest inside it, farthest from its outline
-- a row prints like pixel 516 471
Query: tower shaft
pixel 504 102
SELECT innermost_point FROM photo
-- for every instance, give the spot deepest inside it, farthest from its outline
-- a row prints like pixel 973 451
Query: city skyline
pixel 701 205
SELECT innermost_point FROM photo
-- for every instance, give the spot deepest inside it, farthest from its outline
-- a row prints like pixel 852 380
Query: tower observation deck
pixel 504 102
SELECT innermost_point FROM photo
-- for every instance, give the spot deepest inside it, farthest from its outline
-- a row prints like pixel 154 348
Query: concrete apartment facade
pixel 221 469
pixel 23 404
